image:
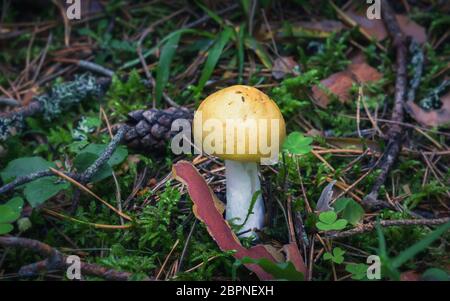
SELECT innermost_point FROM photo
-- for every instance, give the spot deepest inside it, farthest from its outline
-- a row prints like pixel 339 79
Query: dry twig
pixel 395 133
pixel 55 260
pixel 391 223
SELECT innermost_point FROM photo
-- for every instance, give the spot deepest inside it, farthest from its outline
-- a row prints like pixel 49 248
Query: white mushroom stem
pixel 242 183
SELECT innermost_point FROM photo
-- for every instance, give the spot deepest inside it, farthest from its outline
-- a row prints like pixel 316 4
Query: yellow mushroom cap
pixel 242 116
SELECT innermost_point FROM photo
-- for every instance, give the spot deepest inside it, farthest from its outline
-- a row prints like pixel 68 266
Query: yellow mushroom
pixel 243 126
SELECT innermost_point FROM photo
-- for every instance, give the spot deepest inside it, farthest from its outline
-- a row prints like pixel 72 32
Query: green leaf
pixel 16 204
pixel 77 146
pixel 90 153
pixel 280 271
pixel 328 217
pixel 339 224
pixel 338 252
pixel 240 51
pixel 358 270
pixel 213 57
pixel 84 160
pixel 259 50
pixel 154 49
pixel 296 143
pixel 5 228
pixel 8 215
pixel 117 157
pixel 40 190
pixel 419 246
pixel 328 221
pixel 24 166
pixel 434 274
pixel 250 209
pixel 382 252
pixel 336 257
pixel 210 13
pixel 163 71
pixel 351 210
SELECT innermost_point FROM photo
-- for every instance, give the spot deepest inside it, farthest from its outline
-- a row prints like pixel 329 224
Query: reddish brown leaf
pixel 293 255
pixel 410 276
pixel 340 83
pixel 431 118
pixel 412 29
pixel 364 73
pixel 282 66
pixel 377 29
pixel 207 209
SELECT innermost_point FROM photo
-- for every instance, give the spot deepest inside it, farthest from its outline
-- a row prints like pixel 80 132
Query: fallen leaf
pixel 312 29
pixel 377 29
pixel 432 118
pixel 340 83
pixel 364 73
pixel 410 276
pixel 208 210
pixel 284 65
pixel 293 255
pixel 353 143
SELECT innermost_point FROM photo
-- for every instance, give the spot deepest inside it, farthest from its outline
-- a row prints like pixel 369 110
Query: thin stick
pixel 167 259
pixel 95 225
pixel 56 260
pixel 391 223
pixel 184 252
pixel 85 189
pixel 395 133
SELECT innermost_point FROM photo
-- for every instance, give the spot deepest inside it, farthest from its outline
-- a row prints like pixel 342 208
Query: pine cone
pixel 151 129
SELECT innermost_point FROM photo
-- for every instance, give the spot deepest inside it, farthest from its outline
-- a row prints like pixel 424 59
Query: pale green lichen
pixel 61 97
pixel 64 95
pixel 433 98
pixel 9 126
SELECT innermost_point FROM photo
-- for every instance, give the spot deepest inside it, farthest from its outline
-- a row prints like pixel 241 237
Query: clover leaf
pixel 350 210
pixel 9 213
pixel 296 143
pixel 336 257
pixel 328 221
pixel 358 270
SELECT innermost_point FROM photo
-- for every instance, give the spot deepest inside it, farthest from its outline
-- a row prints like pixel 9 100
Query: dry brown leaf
pixel 431 118
pixel 377 29
pixel 364 73
pixel 301 29
pixel 293 255
pixel 317 29
pixel 353 143
pixel 340 83
pixel 284 65
pixel 410 276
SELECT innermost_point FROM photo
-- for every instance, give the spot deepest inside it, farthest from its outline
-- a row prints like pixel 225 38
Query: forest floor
pixel 364 169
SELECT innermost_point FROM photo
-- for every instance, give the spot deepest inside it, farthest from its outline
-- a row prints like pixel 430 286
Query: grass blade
pixel 421 245
pixel 260 51
pixel 163 71
pixel 210 13
pixel 240 52
pixel 213 57
pixel 153 50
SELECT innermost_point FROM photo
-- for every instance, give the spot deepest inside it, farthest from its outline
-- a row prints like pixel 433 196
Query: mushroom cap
pixel 243 107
